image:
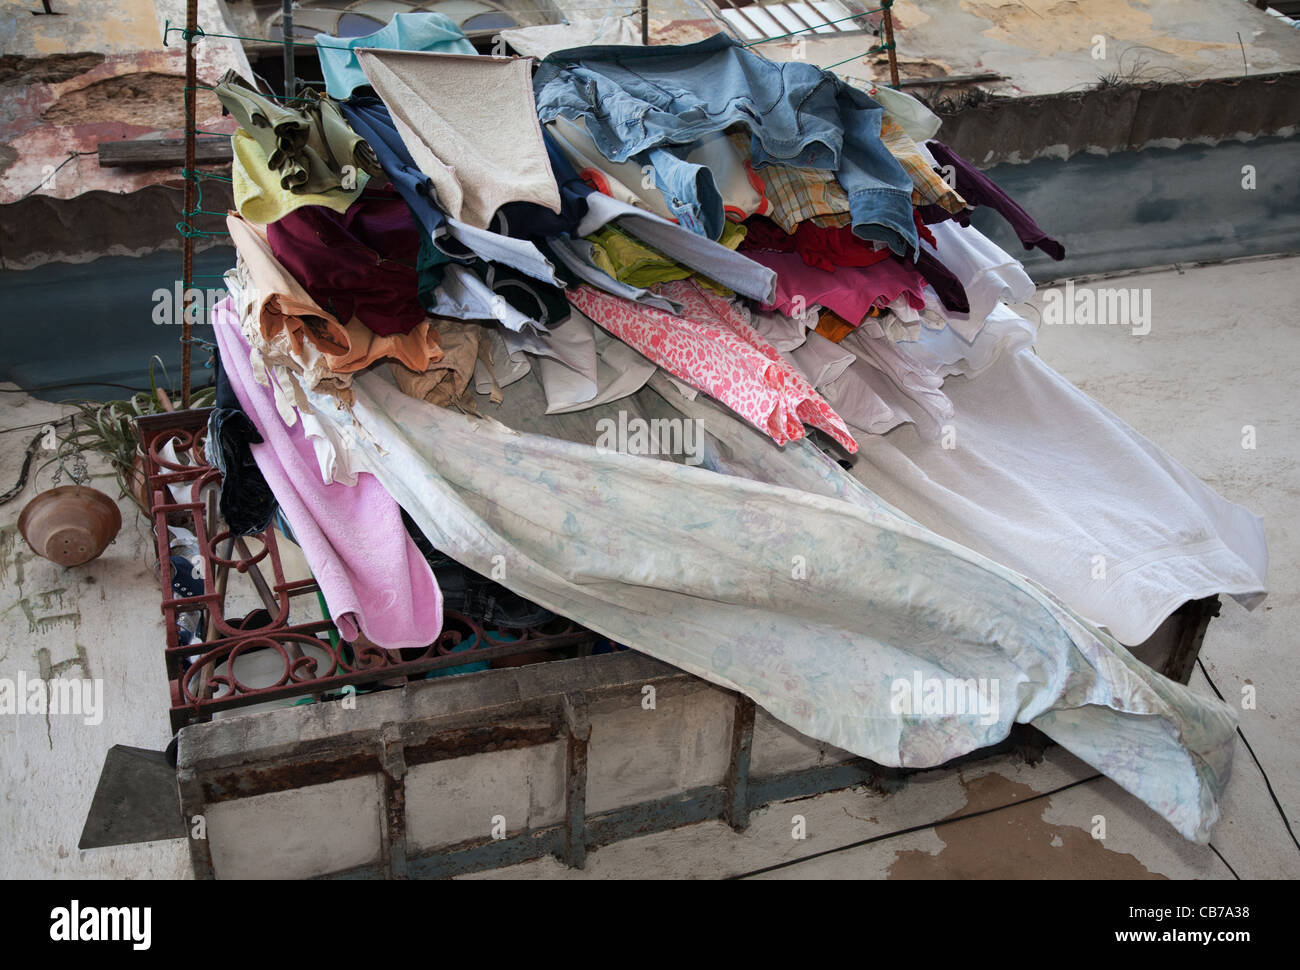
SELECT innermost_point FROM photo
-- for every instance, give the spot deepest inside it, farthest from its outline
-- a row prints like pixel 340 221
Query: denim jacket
pixel 648 99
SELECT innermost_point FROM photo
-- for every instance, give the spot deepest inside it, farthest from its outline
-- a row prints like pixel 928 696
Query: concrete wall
pixel 1154 208
pixel 242 774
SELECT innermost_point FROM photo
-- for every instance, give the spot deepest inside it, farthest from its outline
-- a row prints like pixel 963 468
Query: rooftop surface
pixel 1219 356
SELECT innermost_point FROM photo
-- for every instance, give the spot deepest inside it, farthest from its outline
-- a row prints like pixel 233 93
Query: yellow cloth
pixel 258 195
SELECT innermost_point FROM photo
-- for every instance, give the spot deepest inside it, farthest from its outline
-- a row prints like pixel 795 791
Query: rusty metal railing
pixel 314 661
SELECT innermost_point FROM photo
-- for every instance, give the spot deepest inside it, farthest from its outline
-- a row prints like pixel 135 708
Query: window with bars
pixel 753 20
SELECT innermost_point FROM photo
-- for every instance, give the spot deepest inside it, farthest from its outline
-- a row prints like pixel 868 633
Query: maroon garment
pixel 825 249
pixel 357 263
pixel 978 189
pixel 829 249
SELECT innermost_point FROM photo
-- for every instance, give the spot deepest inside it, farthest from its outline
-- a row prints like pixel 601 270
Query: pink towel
pixel 373 577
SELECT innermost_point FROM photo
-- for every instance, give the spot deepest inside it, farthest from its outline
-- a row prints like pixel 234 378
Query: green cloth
pixel 631 261
pixel 305 147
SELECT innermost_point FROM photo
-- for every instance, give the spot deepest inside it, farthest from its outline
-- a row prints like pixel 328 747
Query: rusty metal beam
pixel 392 836
pixel 578 724
pixel 742 746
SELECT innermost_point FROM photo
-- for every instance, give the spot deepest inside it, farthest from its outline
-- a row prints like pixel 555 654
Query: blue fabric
pixel 405 32
pixel 528 220
pixel 689 190
pixel 639 98
pixel 370 119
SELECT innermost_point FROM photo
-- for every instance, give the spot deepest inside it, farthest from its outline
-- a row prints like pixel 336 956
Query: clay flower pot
pixel 70 525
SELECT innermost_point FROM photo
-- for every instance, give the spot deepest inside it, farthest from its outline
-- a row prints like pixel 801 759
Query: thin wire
pixel 1225 862
pixel 1267 784
pixel 199 33
pixel 878 48
pixel 914 828
pixel 196 175
pixel 71 156
pixel 280 97
pixel 59 387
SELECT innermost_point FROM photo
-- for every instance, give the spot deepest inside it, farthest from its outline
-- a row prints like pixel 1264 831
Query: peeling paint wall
pixel 98 72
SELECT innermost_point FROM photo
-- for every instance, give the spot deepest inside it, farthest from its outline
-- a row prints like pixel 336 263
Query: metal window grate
pixel 768 19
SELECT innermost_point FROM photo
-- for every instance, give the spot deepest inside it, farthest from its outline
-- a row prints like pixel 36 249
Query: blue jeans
pixel 635 99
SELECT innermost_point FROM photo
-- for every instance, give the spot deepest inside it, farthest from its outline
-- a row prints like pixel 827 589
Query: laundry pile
pixel 457 271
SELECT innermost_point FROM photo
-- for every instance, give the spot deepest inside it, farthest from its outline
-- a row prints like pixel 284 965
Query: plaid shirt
pixel 927 186
pixel 797 194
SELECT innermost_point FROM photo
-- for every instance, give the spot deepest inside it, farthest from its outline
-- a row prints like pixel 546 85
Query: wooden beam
pixel 162 152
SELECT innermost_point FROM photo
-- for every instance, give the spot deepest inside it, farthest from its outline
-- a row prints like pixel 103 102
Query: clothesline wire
pixel 877 49
pixel 200 32
pixel 913 828
pixel 885 5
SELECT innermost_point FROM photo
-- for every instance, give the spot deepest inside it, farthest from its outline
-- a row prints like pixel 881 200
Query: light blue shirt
pixel 433 32
pixel 648 99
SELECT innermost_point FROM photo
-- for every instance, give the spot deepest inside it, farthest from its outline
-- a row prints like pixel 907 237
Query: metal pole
pixel 188 297
pixel 286 34
pixel 645 23
pixel 889 40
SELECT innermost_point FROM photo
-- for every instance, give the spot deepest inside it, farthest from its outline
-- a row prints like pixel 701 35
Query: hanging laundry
pixel 280 304
pixel 490 291
pixel 625 181
pixel 309 147
pixel 570 385
pixel 578 260
pixel 577 31
pixel 641 99
pixel 358 263
pixel 429 32
pixel 374 579
pixel 851 291
pixel 986 272
pixel 919 122
pixel 438 103
pixel 825 249
pixel 928 188
pixel 292 329
pixel 951 293
pixel 451 238
pixel 712 347
pixel 833 327
pixel 978 189
pixel 679 561
pixel 444 382
pixel 709 258
pixel 631 261
pixel 261 198
pixel 820 360
pixel 246 502
pixel 1046 479
pixel 782 332
pixel 799 194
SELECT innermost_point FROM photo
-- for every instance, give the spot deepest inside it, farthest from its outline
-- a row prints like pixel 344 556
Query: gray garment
pixel 714 260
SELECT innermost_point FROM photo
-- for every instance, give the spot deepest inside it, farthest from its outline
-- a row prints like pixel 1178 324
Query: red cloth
pixel 357 263
pixel 826 249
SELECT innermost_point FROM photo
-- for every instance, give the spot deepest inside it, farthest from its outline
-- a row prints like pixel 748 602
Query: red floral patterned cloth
pixel 711 347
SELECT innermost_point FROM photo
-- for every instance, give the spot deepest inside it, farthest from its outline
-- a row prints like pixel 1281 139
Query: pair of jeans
pixel 639 99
